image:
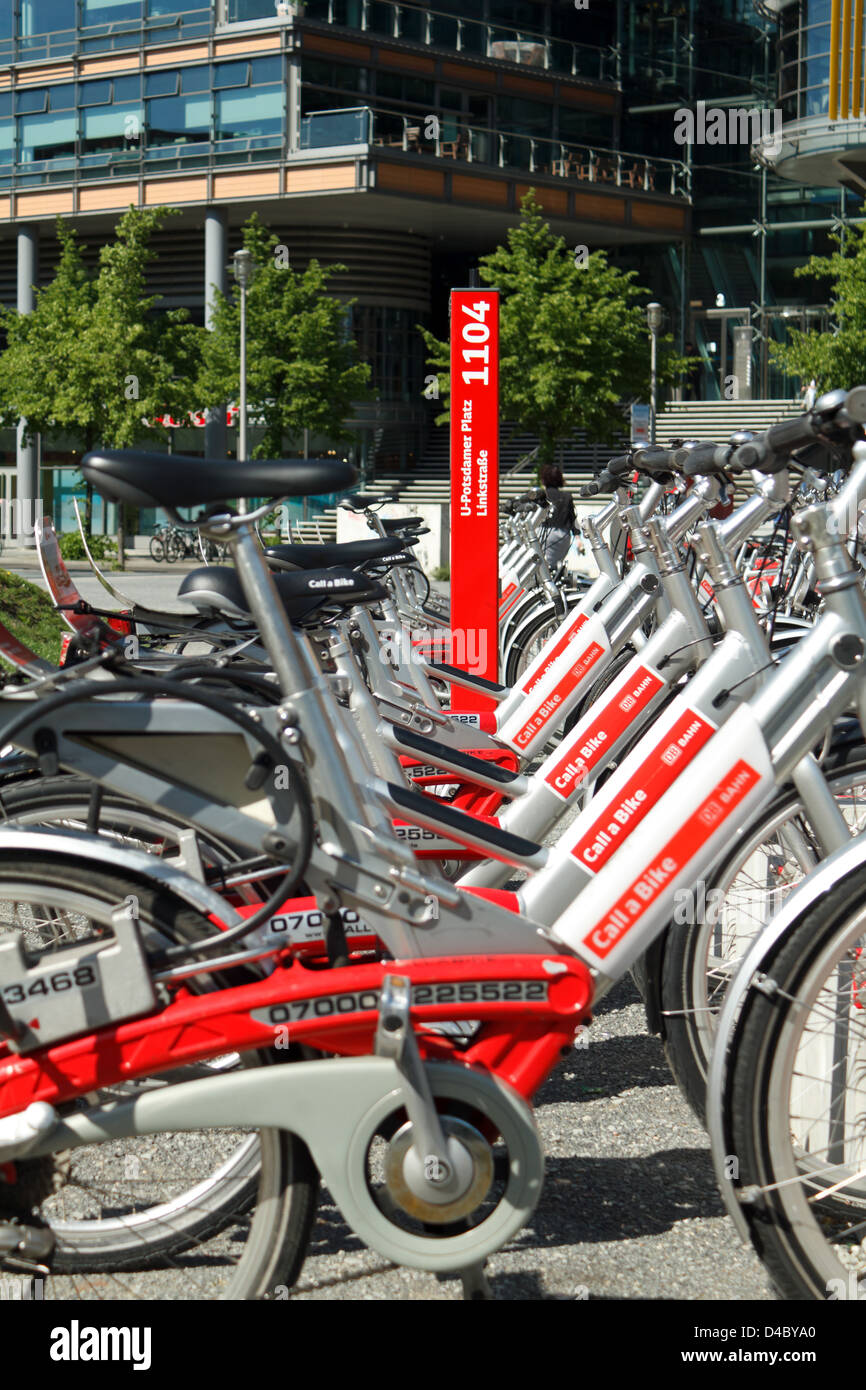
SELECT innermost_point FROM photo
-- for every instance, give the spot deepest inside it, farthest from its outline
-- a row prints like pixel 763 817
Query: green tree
pixel 302 367
pixel 573 336
pixel 836 358
pixel 95 359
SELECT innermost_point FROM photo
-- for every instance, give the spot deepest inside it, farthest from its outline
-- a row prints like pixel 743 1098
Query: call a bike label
pixel 573 767
pixel 563 688
pixel 672 858
pixel 610 826
pixel 530 681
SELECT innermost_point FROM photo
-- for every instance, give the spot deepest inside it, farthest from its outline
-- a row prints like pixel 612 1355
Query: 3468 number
pixel 81 977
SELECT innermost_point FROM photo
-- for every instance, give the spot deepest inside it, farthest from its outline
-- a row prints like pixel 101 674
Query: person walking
pixel 558 528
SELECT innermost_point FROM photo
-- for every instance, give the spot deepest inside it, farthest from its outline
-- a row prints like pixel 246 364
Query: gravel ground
pixel 629 1209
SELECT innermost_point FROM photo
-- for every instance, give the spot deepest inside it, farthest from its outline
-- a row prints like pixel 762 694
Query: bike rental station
pixel 314 882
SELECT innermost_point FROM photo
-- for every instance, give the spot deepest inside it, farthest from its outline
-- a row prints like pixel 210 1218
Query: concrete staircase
pixel 430 481
pixel 715 420
pixel 705 420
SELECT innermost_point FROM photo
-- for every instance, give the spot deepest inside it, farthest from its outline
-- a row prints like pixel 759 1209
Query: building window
pixel 61 98
pixel 127 89
pixel 95 12
pixel 45 17
pixel 160 84
pixel 46 137
pixel 250 115
pixel 36 99
pixel 178 120
pixel 231 75
pixel 195 80
pixel 239 11
pixel 160 9
pixel 94 94
pixel 116 129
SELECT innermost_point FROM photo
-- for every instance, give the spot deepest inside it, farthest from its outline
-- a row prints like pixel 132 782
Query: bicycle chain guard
pixel 75 989
pixel 338 1107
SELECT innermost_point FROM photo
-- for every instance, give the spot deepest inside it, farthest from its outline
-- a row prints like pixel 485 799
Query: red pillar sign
pixel 475 488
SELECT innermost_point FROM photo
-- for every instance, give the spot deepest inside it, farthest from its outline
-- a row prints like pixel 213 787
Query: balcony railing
pixel 180 157
pixel 389 18
pixel 471 37
pixel 361 128
pixel 471 144
pixel 101 38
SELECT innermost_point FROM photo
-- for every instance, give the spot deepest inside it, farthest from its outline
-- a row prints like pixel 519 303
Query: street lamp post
pixel 654 315
pixel 244 270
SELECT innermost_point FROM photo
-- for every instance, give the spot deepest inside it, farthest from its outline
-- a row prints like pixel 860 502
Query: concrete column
pixel 743 337
pixel 27 455
pixel 215 278
pixel 293 104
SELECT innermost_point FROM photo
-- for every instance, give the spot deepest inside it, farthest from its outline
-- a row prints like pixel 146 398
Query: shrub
pixel 101 547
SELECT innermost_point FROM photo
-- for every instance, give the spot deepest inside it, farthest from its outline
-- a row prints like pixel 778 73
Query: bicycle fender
pixel 77 845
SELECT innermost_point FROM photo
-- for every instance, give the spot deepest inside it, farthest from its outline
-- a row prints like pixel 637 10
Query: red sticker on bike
pixel 656 773
pixel 554 700
pixel 510 594
pixel 536 672
pixel 586 751
pixel 672 858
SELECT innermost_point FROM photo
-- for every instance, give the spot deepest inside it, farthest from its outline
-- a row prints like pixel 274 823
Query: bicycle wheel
pixel 528 644
pixel 157 549
pixel 795 1099
pixel 174 548
pixel 72 803
pixel 700 957
pixel 162 1208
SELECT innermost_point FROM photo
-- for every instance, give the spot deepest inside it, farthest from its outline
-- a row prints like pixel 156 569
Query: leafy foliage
pixel 302 367
pixel 93 359
pixel 72 546
pixel 835 358
pixel 573 336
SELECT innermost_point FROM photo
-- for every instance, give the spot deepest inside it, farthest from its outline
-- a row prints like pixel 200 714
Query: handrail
pixel 483 145
pixel 542 46
pixel 470 143
pixel 523 462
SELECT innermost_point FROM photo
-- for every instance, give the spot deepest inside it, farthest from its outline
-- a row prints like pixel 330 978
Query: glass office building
pixel 399 138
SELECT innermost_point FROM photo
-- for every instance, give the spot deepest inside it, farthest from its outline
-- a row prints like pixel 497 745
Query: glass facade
pixel 91 124
pixel 804 58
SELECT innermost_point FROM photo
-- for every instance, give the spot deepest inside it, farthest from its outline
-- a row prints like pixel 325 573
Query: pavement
pixel 143 580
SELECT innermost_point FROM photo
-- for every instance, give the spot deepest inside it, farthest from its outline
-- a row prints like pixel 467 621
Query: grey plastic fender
pixel 816 885
pixel 76 844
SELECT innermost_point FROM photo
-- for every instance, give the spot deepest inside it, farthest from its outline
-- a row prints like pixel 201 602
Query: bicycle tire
pixel 521 652
pixel 775 1087
pixel 174 548
pixel 690 986
pixel 157 549
pixel 279 1179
